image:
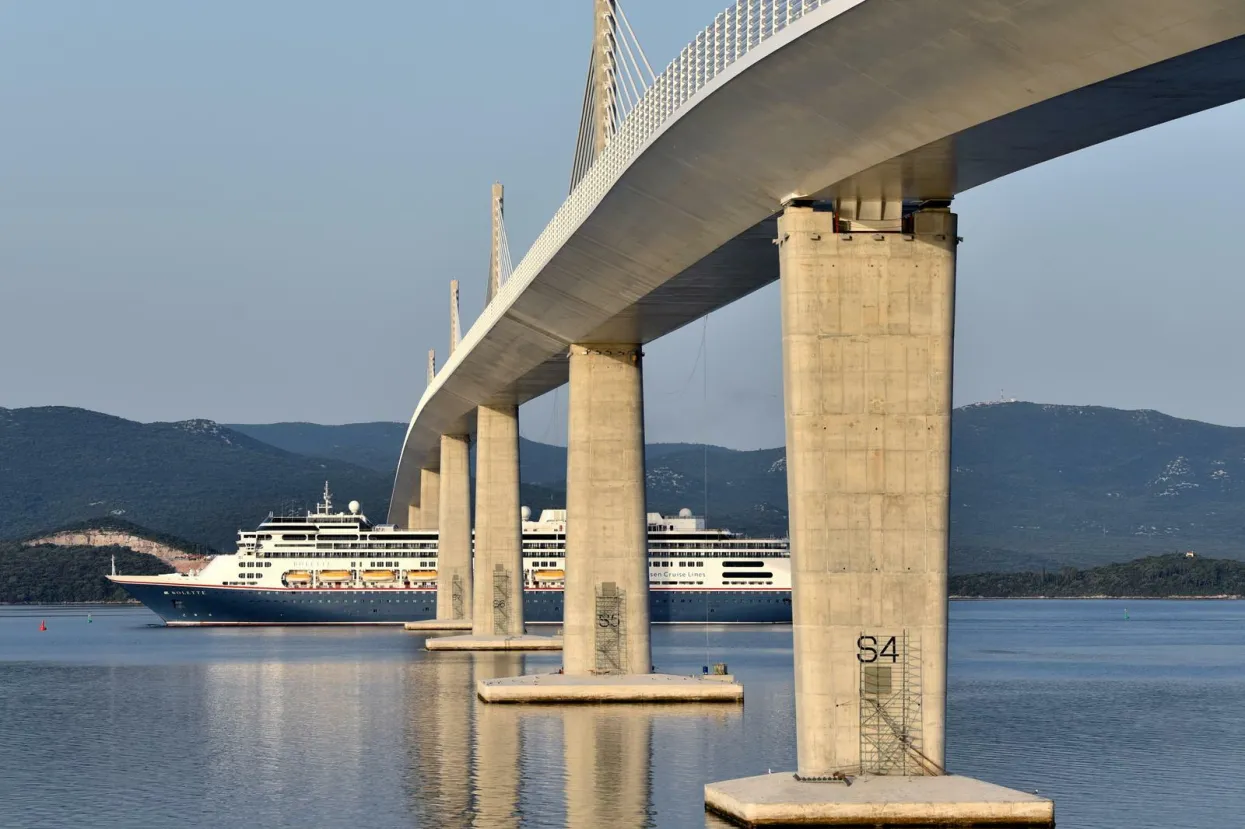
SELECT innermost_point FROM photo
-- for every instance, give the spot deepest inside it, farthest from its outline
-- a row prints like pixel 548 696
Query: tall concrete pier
pixel 499 528
pixel 607 656
pixel 497 621
pixel 606 617
pixel 867 319
pixel 454 525
pixel 429 499
pixel 867 325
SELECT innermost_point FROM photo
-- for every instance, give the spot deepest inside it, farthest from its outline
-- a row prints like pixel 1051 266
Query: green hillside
pixel 372 445
pixel 1032 487
pixel 1085 485
pixel 45 573
pixel 194 479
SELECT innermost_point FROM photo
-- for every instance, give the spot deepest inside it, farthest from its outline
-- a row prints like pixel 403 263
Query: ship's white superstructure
pixel 339 563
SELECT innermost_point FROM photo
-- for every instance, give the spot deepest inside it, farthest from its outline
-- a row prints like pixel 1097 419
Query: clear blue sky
pixel 250 212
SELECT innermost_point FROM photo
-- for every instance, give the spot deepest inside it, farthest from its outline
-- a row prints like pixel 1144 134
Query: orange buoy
pixel 43 625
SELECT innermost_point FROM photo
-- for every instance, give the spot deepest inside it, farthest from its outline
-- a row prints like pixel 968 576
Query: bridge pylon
pixel 494 591
pixel 618 76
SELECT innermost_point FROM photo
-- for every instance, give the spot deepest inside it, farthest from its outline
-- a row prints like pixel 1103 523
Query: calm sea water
pixel 1132 723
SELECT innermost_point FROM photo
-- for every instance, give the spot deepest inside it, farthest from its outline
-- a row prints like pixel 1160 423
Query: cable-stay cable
pixel 629 76
pixel 704 407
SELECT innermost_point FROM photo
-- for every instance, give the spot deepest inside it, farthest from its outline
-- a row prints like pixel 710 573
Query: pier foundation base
pixel 876 801
pixel 565 688
pixel 434 625
pixel 494 643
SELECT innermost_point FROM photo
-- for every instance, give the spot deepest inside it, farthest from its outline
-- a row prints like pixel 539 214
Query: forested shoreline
pixel 1154 577
pixel 52 574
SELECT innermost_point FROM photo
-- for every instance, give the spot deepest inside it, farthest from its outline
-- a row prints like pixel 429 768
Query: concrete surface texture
pixel 867 325
pixel 606 617
pixel 429 499
pixel 454 523
pixel 946 800
pixel 497 605
pixel 563 688
pixel 493 643
pixel 658 236
pixel 412 516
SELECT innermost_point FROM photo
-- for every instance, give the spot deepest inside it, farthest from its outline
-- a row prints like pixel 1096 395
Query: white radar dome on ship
pixel 354 507
pixel 685 513
pixel 526 512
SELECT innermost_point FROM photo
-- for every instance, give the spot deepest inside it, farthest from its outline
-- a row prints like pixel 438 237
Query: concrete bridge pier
pixel 606 616
pixel 412 516
pixel 607 655
pixel 427 517
pixel 429 498
pixel 867 320
pixel 497 622
pixel 453 524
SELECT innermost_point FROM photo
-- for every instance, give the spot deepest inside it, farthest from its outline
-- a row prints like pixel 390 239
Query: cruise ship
pixel 327 567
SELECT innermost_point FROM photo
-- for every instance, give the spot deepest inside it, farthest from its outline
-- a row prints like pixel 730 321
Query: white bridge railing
pixel 734 32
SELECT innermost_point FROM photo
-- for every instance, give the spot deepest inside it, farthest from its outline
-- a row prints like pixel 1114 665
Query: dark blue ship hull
pixel 197 605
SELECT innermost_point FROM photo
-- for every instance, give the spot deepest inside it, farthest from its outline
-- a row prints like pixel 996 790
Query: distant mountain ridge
pixel 194 479
pixel 1033 486
pixel 739 497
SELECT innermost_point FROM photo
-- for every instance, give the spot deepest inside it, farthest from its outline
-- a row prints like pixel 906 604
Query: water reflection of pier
pixel 477 765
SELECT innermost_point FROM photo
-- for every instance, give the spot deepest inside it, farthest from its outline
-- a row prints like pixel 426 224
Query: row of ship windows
pixel 299 537
pixel 527 545
pixel 316 554
pixel 746 543
pixel 652 563
pixel 280 597
pixel 743 546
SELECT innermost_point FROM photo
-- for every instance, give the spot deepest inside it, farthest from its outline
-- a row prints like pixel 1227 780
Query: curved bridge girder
pixel 858 99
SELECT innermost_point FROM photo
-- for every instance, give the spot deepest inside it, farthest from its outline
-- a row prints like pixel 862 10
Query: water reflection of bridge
pixel 471 764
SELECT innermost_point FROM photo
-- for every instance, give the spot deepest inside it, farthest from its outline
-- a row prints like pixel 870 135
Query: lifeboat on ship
pixel 296 577
pixel 379 575
pixel 335 575
pixel 549 575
